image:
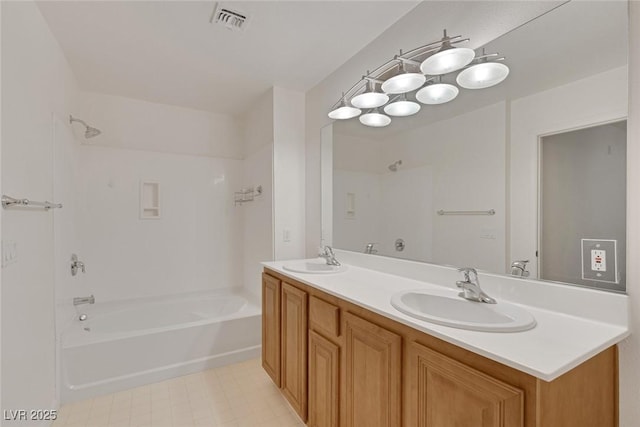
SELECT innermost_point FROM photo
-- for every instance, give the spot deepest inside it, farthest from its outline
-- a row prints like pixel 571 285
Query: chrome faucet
pixel 76 265
pixel 471 287
pixel 84 300
pixel 327 253
pixel 369 249
pixel 519 268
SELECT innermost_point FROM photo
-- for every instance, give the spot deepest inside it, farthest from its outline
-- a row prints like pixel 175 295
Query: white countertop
pixel 560 341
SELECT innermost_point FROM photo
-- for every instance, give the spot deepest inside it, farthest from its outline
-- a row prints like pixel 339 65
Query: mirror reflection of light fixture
pixel 375 119
pixel 435 60
pixel 483 75
pixel 343 111
pixel 371 98
pixel 402 107
pixel 447 59
pixel 437 93
pixel 403 81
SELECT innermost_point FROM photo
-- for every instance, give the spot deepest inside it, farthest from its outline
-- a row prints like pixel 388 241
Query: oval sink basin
pixel 316 266
pixel 447 308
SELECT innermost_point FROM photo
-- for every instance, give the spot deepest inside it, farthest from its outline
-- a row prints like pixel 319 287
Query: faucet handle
pixel 519 268
pixel 370 248
pixel 467 271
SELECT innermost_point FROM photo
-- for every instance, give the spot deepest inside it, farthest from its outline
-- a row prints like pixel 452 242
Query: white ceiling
pixel 168 52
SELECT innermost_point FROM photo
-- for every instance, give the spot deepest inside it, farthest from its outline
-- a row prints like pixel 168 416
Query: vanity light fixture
pixel 437 93
pixel 371 98
pixel 484 74
pixel 375 119
pixel 403 81
pixel 447 59
pixel 435 61
pixel 402 107
pixel 344 111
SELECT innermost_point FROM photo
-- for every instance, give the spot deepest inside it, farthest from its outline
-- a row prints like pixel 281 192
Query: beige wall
pixel 37 84
pixel 288 173
pixel 630 349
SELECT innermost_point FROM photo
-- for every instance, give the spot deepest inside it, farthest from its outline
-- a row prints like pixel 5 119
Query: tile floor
pixel 240 395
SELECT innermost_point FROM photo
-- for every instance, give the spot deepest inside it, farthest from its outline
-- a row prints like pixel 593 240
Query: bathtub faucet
pixel 84 300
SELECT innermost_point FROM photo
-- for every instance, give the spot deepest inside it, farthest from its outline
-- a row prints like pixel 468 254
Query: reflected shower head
pixel 393 167
pixel 89 132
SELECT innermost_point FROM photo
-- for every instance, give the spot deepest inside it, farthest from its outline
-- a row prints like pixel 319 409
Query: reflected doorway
pixel 582 209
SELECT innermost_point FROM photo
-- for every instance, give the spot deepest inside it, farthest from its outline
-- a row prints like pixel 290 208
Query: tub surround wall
pixel 257 169
pixel 149 126
pixel 36 83
pixel 195 245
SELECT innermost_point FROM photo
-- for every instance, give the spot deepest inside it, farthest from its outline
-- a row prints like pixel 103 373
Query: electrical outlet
pixel 286 235
pixel 599 260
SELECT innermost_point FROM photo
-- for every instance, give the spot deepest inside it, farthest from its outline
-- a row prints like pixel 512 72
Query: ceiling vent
pixel 229 18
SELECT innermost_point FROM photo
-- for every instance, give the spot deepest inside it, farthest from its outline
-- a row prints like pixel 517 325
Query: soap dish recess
pixel 149 200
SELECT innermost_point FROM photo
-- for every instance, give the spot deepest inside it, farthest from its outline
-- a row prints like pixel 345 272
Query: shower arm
pixel 73 119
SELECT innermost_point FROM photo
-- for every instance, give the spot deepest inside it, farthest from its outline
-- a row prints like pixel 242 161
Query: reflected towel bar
pixel 8 202
pixel 489 212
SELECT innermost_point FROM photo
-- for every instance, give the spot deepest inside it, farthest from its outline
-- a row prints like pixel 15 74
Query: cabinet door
pixel 372 374
pixel 445 393
pixel 271 327
pixel 294 348
pixel 324 373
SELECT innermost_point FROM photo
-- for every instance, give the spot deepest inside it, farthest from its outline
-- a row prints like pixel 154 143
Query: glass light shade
pixel 483 75
pixel 344 112
pixel 437 93
pixel 447 61
pixel 402 108
pixel 404 82
pixel 375 120
pixel 369 100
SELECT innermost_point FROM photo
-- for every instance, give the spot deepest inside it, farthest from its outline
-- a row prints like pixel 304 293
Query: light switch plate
pixel 599 260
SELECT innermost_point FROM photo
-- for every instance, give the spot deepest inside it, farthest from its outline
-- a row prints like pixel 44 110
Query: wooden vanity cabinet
pixel 294 347
pixel 324 381
pixel 372 374
pixel 350 367
pixel 271 327
pixel 284 339
pixel 445 392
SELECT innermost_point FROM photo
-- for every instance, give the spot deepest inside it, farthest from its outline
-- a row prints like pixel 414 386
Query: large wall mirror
pixel 532 169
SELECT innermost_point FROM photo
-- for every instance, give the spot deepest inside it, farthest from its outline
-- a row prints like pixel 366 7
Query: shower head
pixel 89 132
pixel 393 167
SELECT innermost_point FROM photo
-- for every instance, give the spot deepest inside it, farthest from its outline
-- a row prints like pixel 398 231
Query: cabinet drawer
pixel 324 317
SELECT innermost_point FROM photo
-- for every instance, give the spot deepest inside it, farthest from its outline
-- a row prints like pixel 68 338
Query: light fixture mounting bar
pixel 408 61
pixel 431 47
pixel 372 80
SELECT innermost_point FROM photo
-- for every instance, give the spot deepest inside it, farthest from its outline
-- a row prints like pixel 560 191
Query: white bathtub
pixel 128 344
